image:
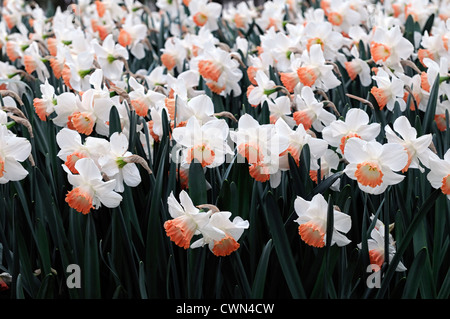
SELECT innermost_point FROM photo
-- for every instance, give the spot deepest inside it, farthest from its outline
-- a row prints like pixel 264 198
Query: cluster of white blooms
pixel 292 60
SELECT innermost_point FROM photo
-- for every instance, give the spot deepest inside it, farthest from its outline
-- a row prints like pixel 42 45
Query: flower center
pixel 2 167
pixel 312 234
pixel 314 41
pixel 344 140
pixel 445 185
pixel 353 69
pixel 305 118
pixel 202 153
pixel 72 159
pixel 295 153
pixel 335 18
pixel 379 51
pixel 200 19
pixel 251 152
pixel 168 61
pixel 83 122
pixel 125 38
pixel 308 75
pixel 369 174
pixel 441 122
pixel 209 70
pixel 259 172
pixel 376 258
pixel 381 96
pixel 180 230
pixel 79 200
pixel 225 246
pixel 140 107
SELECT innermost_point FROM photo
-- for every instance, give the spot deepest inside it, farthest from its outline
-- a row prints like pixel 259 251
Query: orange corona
pixel 225 246
pixel 79 200
pixel 369 174
pixel 180 231
pixel 312 234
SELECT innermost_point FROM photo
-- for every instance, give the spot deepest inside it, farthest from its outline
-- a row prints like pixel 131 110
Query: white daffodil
pixel 205 13
pixel 115 165
pixel 357 67
pixel 356 124
pixel 312 220
pixel 389 89
pixel 89 190
pixel 187 219
pixel 281 108
pixel 143 100
pixel 314 72
pixel 310 112
pixel 72 148
pixel 261 146
pixel 416 147
pixel 13 150
pixel 221 234
pixel 297 139
pixel 389 47
pixel 109 56
pixel 131 35
pixel 265 89
pixel 373 165
pixel 44 106
pixel 376 247
pixel 439 176
pixel 206 143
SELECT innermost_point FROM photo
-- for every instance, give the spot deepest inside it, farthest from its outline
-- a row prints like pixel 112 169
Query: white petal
pixel 119 143
pixel 131 175
pixel 394 156
pixel 14 171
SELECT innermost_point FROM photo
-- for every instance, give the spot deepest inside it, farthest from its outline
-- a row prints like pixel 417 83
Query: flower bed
pixel 290 150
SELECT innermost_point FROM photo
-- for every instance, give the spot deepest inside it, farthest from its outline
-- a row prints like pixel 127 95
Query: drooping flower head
pixel 312 220
pixel 187 219
pixel 221 234
pixel 89 190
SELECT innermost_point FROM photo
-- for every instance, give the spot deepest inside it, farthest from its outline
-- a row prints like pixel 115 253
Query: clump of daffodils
pixel 258 98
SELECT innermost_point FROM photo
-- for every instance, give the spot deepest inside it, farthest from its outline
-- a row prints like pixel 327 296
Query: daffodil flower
pixel 221 234
pixel 13 151
pixel 356 124
pixel 439 175
pixel 373 165
pixel 89 190
pixel 312 220
pixel 186 220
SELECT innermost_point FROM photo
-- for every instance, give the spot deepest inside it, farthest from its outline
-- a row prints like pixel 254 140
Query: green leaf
pixel 46 291
pixel 403 245
pixel 282 247
pixel 242 275
pixel 264 117
pixel 261 272
pixel 325 184
pixel 114 121
pixel 415 275
pixel 43 247
pixel 91 270
pixel 444 293
pixel 197 184
pixel 20 294
pixel 142 287
pixel 431 107
pixel 429 24
pixel 330 222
